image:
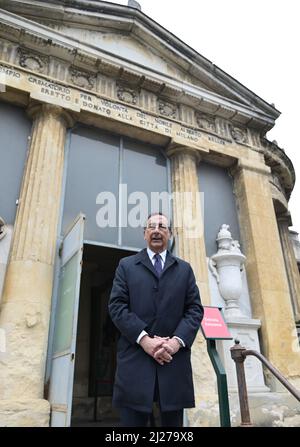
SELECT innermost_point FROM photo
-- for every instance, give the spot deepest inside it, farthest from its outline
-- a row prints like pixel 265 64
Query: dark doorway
pixel 96 340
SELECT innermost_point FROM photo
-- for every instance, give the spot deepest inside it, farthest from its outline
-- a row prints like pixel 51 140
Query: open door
pixel 65 329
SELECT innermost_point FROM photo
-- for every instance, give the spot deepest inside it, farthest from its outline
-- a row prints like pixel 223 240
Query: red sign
pixel 213 324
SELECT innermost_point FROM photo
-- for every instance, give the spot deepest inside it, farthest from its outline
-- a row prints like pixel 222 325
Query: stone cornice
pixel 249 110
pixel 44 51
pixel 136 22
pixel 280 164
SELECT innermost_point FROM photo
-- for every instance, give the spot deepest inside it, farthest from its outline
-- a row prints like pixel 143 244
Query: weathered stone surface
pixel 265 268
pixel 268 409
pixel 25 311
pixel 28 413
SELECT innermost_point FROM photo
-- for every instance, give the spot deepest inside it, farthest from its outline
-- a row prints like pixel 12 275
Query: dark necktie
pixel 157 264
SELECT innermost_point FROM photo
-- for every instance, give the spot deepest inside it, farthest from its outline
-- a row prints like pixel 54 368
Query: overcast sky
pixel 256 42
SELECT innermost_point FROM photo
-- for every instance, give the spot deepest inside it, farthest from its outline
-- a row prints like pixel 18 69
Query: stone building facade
pixel 94 96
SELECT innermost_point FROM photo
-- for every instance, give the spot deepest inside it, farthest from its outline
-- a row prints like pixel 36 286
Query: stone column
pixel 269 290
pixel 190 246
pixel 188 225
pixel 284 221
pixel 25 311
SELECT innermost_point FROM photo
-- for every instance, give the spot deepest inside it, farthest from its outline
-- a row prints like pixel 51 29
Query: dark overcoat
pixel 167 305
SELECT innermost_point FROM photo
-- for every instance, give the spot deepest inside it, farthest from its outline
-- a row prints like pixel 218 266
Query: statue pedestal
pixel 245 330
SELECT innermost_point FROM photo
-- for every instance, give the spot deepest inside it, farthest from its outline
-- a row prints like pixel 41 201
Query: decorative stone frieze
pixel 82 79
pixel 66 48
pixel 167 109
pixel 127 95
pixel 186 114
pixel 32 61
pixel 221 127
pixel 58 69
pixel 239 134
pixel 255 136
pixel 148 101
pixel 8 50
pixel 206 122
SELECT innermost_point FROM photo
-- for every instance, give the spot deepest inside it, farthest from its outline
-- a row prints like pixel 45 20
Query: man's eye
pixel 160 226
pixel 163 227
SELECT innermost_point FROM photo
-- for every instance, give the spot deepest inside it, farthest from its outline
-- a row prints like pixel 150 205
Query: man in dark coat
pixel 155 304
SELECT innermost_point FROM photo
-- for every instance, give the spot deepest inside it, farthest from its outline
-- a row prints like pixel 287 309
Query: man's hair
pixel 159 213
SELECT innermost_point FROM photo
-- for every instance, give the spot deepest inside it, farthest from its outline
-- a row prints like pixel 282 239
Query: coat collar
pixel 143 258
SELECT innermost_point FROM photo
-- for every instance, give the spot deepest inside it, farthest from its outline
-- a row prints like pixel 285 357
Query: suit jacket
pixel 167 305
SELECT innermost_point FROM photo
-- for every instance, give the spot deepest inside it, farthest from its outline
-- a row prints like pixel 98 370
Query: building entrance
pixel 96 340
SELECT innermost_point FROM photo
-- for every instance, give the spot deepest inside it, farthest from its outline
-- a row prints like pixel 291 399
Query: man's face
pixel 157 233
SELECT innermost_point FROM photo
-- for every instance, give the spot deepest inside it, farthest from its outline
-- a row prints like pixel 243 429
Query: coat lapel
pixel 143 258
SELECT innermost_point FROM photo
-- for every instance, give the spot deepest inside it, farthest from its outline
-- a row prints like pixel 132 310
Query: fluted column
pixel 25 311
pixel 187 211
pixel 269 290
pixel 190 246
pixel 284 221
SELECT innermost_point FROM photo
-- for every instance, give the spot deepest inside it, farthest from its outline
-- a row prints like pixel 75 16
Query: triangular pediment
pixel 126 37
pixel 133 49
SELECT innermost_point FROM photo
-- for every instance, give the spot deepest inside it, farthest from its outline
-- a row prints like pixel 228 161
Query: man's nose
pixel 156 228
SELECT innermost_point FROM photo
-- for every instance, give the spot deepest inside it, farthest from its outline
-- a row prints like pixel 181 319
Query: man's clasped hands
pixel 161 349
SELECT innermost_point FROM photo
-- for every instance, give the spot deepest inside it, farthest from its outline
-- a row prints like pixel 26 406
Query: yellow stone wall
pixel 266 274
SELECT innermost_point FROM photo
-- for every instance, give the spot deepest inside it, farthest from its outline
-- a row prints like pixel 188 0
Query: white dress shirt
pixel 163 255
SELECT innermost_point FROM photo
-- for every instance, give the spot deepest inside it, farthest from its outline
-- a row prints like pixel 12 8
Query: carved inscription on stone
pixel 9 72
pixel 51 89
pixel 70 98
pixel 217 140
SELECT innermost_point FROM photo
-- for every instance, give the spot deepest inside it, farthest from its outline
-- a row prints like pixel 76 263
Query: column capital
pixel 249 165
pixel 176 149
pixel 37 109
